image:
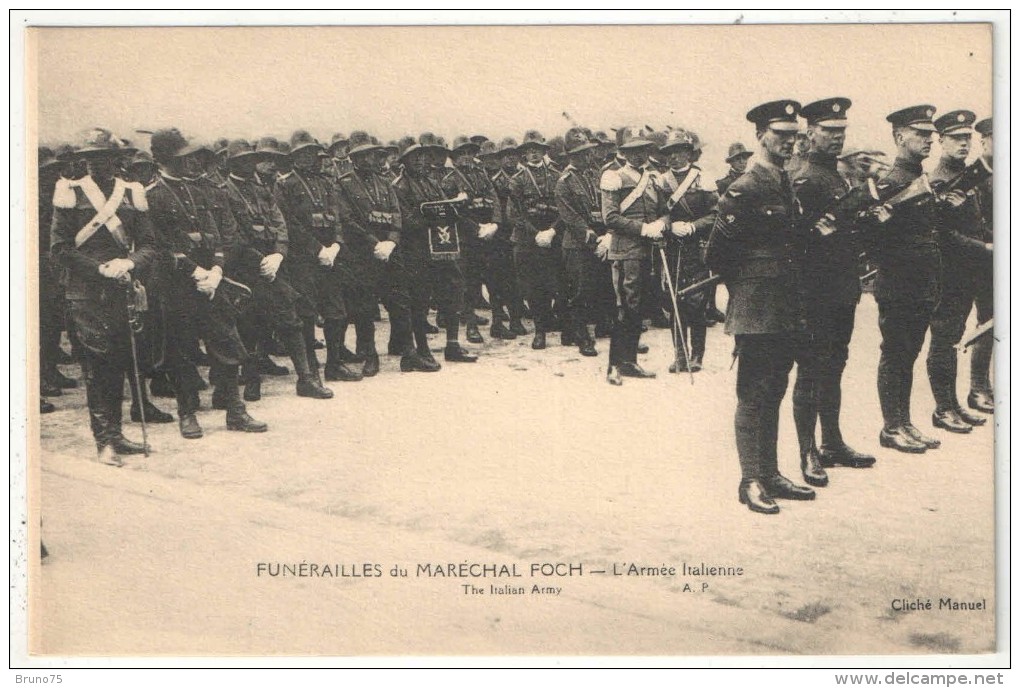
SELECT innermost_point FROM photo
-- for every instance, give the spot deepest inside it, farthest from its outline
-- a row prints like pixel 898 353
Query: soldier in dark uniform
pixel 426 270
pixel 756 246
pixel 831 293
pixel 532 212
pixel 195 247
pixel 691 216
pixel 151 341
pixel 307 199
pixel 981 397
pixel 634 211
pixel 372 228
pixel 479 224
pixel 503 270
pixel 966 258
pixel 51 292
pixel 736 157
pixel 906 251
pixel 101 235
pixel 339 162
pixel 580 209
pixel 260 261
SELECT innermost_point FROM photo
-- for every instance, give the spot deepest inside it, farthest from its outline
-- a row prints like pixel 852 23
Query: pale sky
pixel 497 81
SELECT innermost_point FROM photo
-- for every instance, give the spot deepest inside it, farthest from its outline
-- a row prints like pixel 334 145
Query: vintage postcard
pixel 593 340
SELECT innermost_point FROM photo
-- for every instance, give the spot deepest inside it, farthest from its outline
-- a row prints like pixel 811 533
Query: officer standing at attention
pixel 756 247
pixel 479 223
pixel 260 261
pixel 832 290
pixel 966 258
pixel 634 209
pixel 906 252
pixel 580 209
pixel 981 397
pixel 100 235
pixel 195 249
pixel 532 211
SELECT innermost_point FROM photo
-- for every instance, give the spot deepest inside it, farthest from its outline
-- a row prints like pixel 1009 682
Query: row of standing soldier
pixel 327 243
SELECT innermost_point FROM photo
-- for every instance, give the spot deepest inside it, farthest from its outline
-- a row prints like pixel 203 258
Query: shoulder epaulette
pixel 610 181
pixel 138 199
pixel 64 195
pixel 733 193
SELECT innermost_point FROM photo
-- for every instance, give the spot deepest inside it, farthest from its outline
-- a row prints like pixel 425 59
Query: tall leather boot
pixel 980 365
pixel 336 369
pixel 237 415
pixel 698 333
pixel 364 330
pixel 152 413
pixel 187 405
pixel 251 377
pixel 307 384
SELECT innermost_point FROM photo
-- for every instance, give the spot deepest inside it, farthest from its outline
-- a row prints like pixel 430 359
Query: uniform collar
pixel 908 165
pixel 822 159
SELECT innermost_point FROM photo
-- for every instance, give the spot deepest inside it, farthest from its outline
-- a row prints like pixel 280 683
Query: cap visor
pixel 959 131
pixel 582 147
pixel 784 126
pixel 832 123
pixel 922 126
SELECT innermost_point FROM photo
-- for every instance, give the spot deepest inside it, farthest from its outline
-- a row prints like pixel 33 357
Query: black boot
pixel 455 353
pixel 472 334
pixel 371 365
pixel 237 415
pixel 500 331
pixel 538 342
pixel 306 383
pixel 251 378
pixel 811 468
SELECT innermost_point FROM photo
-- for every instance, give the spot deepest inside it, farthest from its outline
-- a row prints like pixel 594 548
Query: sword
pixel 676 312
pixel 135 325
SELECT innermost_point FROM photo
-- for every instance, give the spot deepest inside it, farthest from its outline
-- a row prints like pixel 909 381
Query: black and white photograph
pixel 520 339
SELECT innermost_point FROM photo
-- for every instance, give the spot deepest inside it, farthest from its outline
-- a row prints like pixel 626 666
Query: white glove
pixel 117 269
pixel 545 237
pixel 210 281
pixel 200 274
pixel 681 228
pixel 328 254
pixel 462 196
pixel 383 250
pixel 270 265
pixel 653 230
pixel 882 213
pixel 825 226
pixel 602 247
pixel 487 230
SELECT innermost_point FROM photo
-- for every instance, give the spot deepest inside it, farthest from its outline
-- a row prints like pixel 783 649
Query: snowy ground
pixel 525 457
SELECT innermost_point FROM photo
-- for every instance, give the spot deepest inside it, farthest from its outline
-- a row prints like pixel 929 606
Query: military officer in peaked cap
pixel 261 262
pixel 756 246
pixel 480 220
pixel 634 210
pixel 580 209
pixel 196 247
pixel 101 236
pixel 533 214
pixel 906 251
pixel 427 269
pixel 966 259
pixel 832 290
pixel 981 397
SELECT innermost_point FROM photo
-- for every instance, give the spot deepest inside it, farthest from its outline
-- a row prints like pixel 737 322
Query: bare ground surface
pixel 525 457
